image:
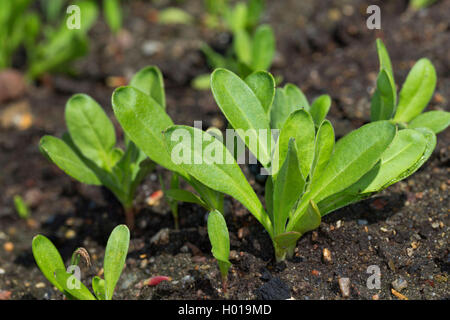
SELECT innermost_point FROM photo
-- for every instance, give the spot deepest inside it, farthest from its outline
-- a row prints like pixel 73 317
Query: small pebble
pixel 362 222
pixel 40 285
pixel 8 246
pixel 161 238
pixel 326 255
pixel 2 271
pixel 70 234
pixel 399 284
pixel 344 286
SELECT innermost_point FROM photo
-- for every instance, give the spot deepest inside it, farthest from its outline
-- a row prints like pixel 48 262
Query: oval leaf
pixel 244 111
pixel 263 85
pixel 150 81
pixel 417 91
pixel 437 121
pixel 319 109
pixel 71 285
pixel 324 147
pixel 115 255
pixel 263 48
pixel 90 129
pixel 67 160
pixel 220 240
pixel 47 258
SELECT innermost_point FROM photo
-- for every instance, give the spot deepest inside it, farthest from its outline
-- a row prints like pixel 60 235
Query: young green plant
pixel 88 152
pixel 143 117
pixel 311 175
pixel 68 281
pixel 414 96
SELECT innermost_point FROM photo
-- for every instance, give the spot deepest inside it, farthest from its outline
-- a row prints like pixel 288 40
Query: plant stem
pixel 129 217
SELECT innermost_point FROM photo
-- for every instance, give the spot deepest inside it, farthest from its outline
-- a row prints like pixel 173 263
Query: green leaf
pixel 287 100
pixel 288 188
pixel 47 258
pixel 243 46
pixel 244 111
pixel 405 150
pixel 113 14
pixel 237 17
pixel 150 81
pixel 71 285
pixel 98 285
pixel 144 121
pixel 268 196
pixel 220 241
pixel 296 99
pixel 263 48
pixel 324 147
pixel 310 220
pixel 90 129
pixel 417 91
pixel 263 85
pixel 384 98
pixel 299 126
pixel 214 166
pixel 385 60
pixel 115 256
pixel 184 196
pixel 67 160
pixel 173 15
pixel 254 12
pixel 388 171
pixel 319 109
pixel 354 155
pixel 437 121
pixel 279 111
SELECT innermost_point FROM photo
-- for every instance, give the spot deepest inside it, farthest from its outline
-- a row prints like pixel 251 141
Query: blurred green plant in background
pixel 40 28
pixel 253 47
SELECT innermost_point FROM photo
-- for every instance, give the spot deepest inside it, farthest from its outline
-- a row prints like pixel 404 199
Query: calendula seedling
pixel 220 242
pixel 143 118
pixel 414 96
pixel 311 175
pixel 253 47
pixel 88 152
pixel 68 282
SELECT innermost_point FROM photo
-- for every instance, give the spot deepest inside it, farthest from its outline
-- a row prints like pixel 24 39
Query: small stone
pixel 315 272
pixel 2 271
pixel 409 251
pixel 375 297
pixel 151 47
pixel 344 286
pixel 8 246
pixel 33 197
pixel 339 224
pixel 315 236
pixel 435 225
pixel 362 222
pixel 399 284
pixel 326 256
pixel 161 238
pixel 40 285
pixel 70 234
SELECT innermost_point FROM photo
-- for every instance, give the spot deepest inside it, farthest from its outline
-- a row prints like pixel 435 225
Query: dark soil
pixel 323 46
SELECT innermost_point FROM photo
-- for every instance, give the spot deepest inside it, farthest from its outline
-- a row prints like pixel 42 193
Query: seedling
pixel 88 152
pixel 113 14
pixel 143 118
pixel 68 282
pixel 311 175
pixel 21 207
pixel 414 96
pixel 220 242
pixel 253 48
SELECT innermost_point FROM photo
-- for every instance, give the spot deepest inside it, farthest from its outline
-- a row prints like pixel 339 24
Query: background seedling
pixel 88 152
pixel 52 266
pixel 143 118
